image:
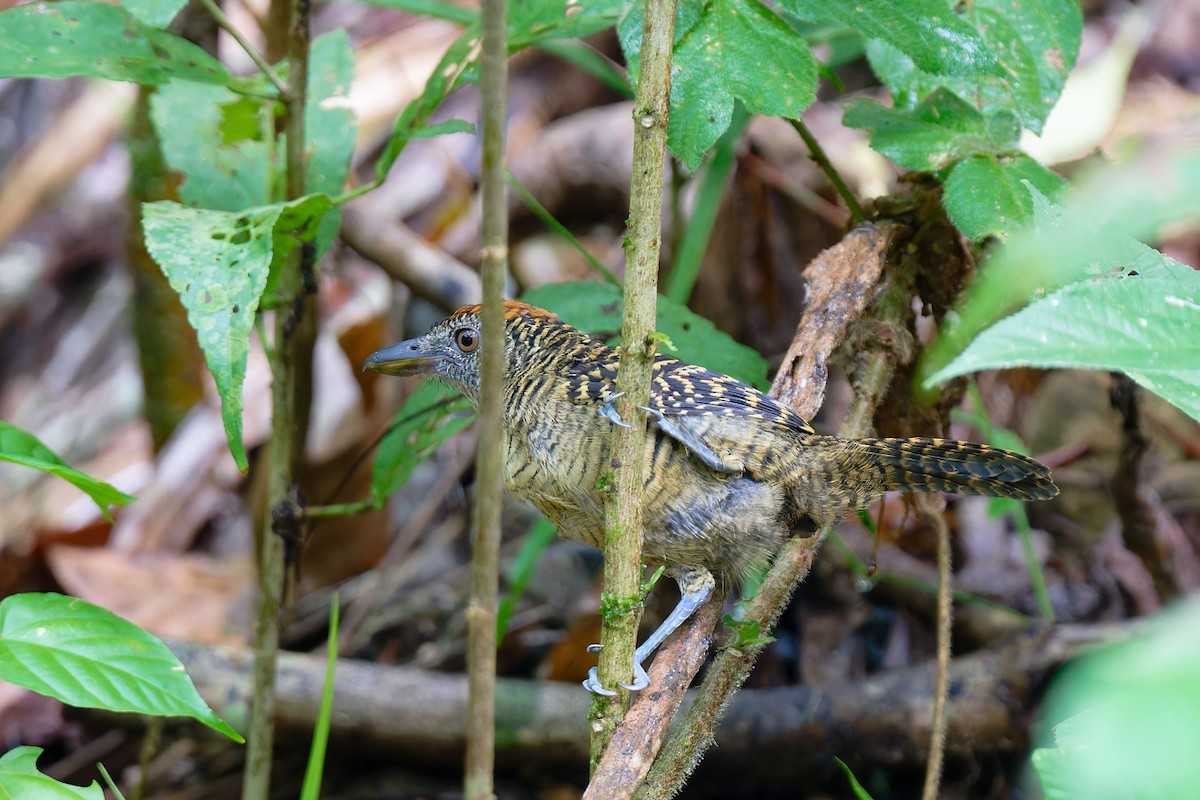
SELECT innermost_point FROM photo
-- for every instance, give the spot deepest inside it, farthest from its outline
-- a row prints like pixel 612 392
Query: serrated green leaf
pixel 20 447
pixel 89 657
pixel 215 139
pixel 1093 234
pixel 1144 322
pixel 155 13
pixel 936 38
pixel 938 131
pixel 83 38
pixel 596 308
pixel 219 264
pixel 1035 44
pixel 987 195
pixel 720 59
pixel 19 777
pixel 429 417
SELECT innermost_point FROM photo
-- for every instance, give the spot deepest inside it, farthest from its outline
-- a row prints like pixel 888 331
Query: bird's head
pixel 451 348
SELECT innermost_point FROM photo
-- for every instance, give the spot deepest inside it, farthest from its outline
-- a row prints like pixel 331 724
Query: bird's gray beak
pixel 412 357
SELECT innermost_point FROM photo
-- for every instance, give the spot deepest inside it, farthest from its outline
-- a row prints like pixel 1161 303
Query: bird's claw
pixel 641 678
pixel 609 412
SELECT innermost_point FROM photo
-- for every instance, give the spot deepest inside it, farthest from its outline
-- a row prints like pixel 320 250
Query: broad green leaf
pixel 1095 230
pixel 721 59
pixel 1144 322
pixel 428 418
pixel 930 32
pixel 1035 44
pixel 1123 717
pixel 88 657
pixel 219 262
pixel 930 136
pixel 86 38
pixel 986 195
pixel 220 142
pixel 20 778
pixel 19 447
pixel 155 13
pixel 596 308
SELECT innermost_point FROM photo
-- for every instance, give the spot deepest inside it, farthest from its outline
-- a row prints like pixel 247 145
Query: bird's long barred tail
pixel 944 465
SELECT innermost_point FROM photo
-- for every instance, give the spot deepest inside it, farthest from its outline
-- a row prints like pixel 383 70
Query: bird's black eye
pixel 467 339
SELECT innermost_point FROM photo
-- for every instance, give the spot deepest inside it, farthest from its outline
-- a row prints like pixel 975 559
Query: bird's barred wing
pixel 719 419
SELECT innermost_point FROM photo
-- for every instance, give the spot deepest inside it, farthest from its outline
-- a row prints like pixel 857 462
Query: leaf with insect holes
pixel 97 40
pixel 219 263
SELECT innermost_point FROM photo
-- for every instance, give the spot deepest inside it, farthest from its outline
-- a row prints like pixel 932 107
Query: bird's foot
pixel 641 679
pixel 609 412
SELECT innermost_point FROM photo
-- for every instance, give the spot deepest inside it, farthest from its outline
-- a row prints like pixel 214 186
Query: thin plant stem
pixel 621 606
pixel 226 25
pixel 480 757
pixel 941 689
pixel 291 398
pixel 822 161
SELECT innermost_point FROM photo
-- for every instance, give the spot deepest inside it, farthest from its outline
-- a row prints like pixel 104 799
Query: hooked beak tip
pixel 405 358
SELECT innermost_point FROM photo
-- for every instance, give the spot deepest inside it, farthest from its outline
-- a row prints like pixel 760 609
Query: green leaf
pixel 596 308
pixel 859 792
pixel 19 447
pixel 331 126
pixel 987 196
pixel 534 544
pixel 85 38
pixel 19 777
pixel 930 136
pixel 1093 233
pixel 155 13
pixel 1142 321
pixel 929 31
pixel 1124 717
pixel 533 21
pixel 456 68
pixel 721 59
pixel 442 129
pixel 222 144
pixel 428 418
pixel 88 657
pixel 1035 44
pixel 219 262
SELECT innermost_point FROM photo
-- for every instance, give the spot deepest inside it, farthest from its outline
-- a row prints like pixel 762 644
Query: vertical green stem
pixel 623 506
pixel 291 395
pixel 485 525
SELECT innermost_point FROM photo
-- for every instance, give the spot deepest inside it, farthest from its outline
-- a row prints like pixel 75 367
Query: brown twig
pixel 638 739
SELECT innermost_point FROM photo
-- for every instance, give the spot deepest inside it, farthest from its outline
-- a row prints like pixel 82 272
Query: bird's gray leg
pixel 695 587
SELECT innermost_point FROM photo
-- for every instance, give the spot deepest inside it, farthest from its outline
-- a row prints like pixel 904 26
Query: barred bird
pixel 729 472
